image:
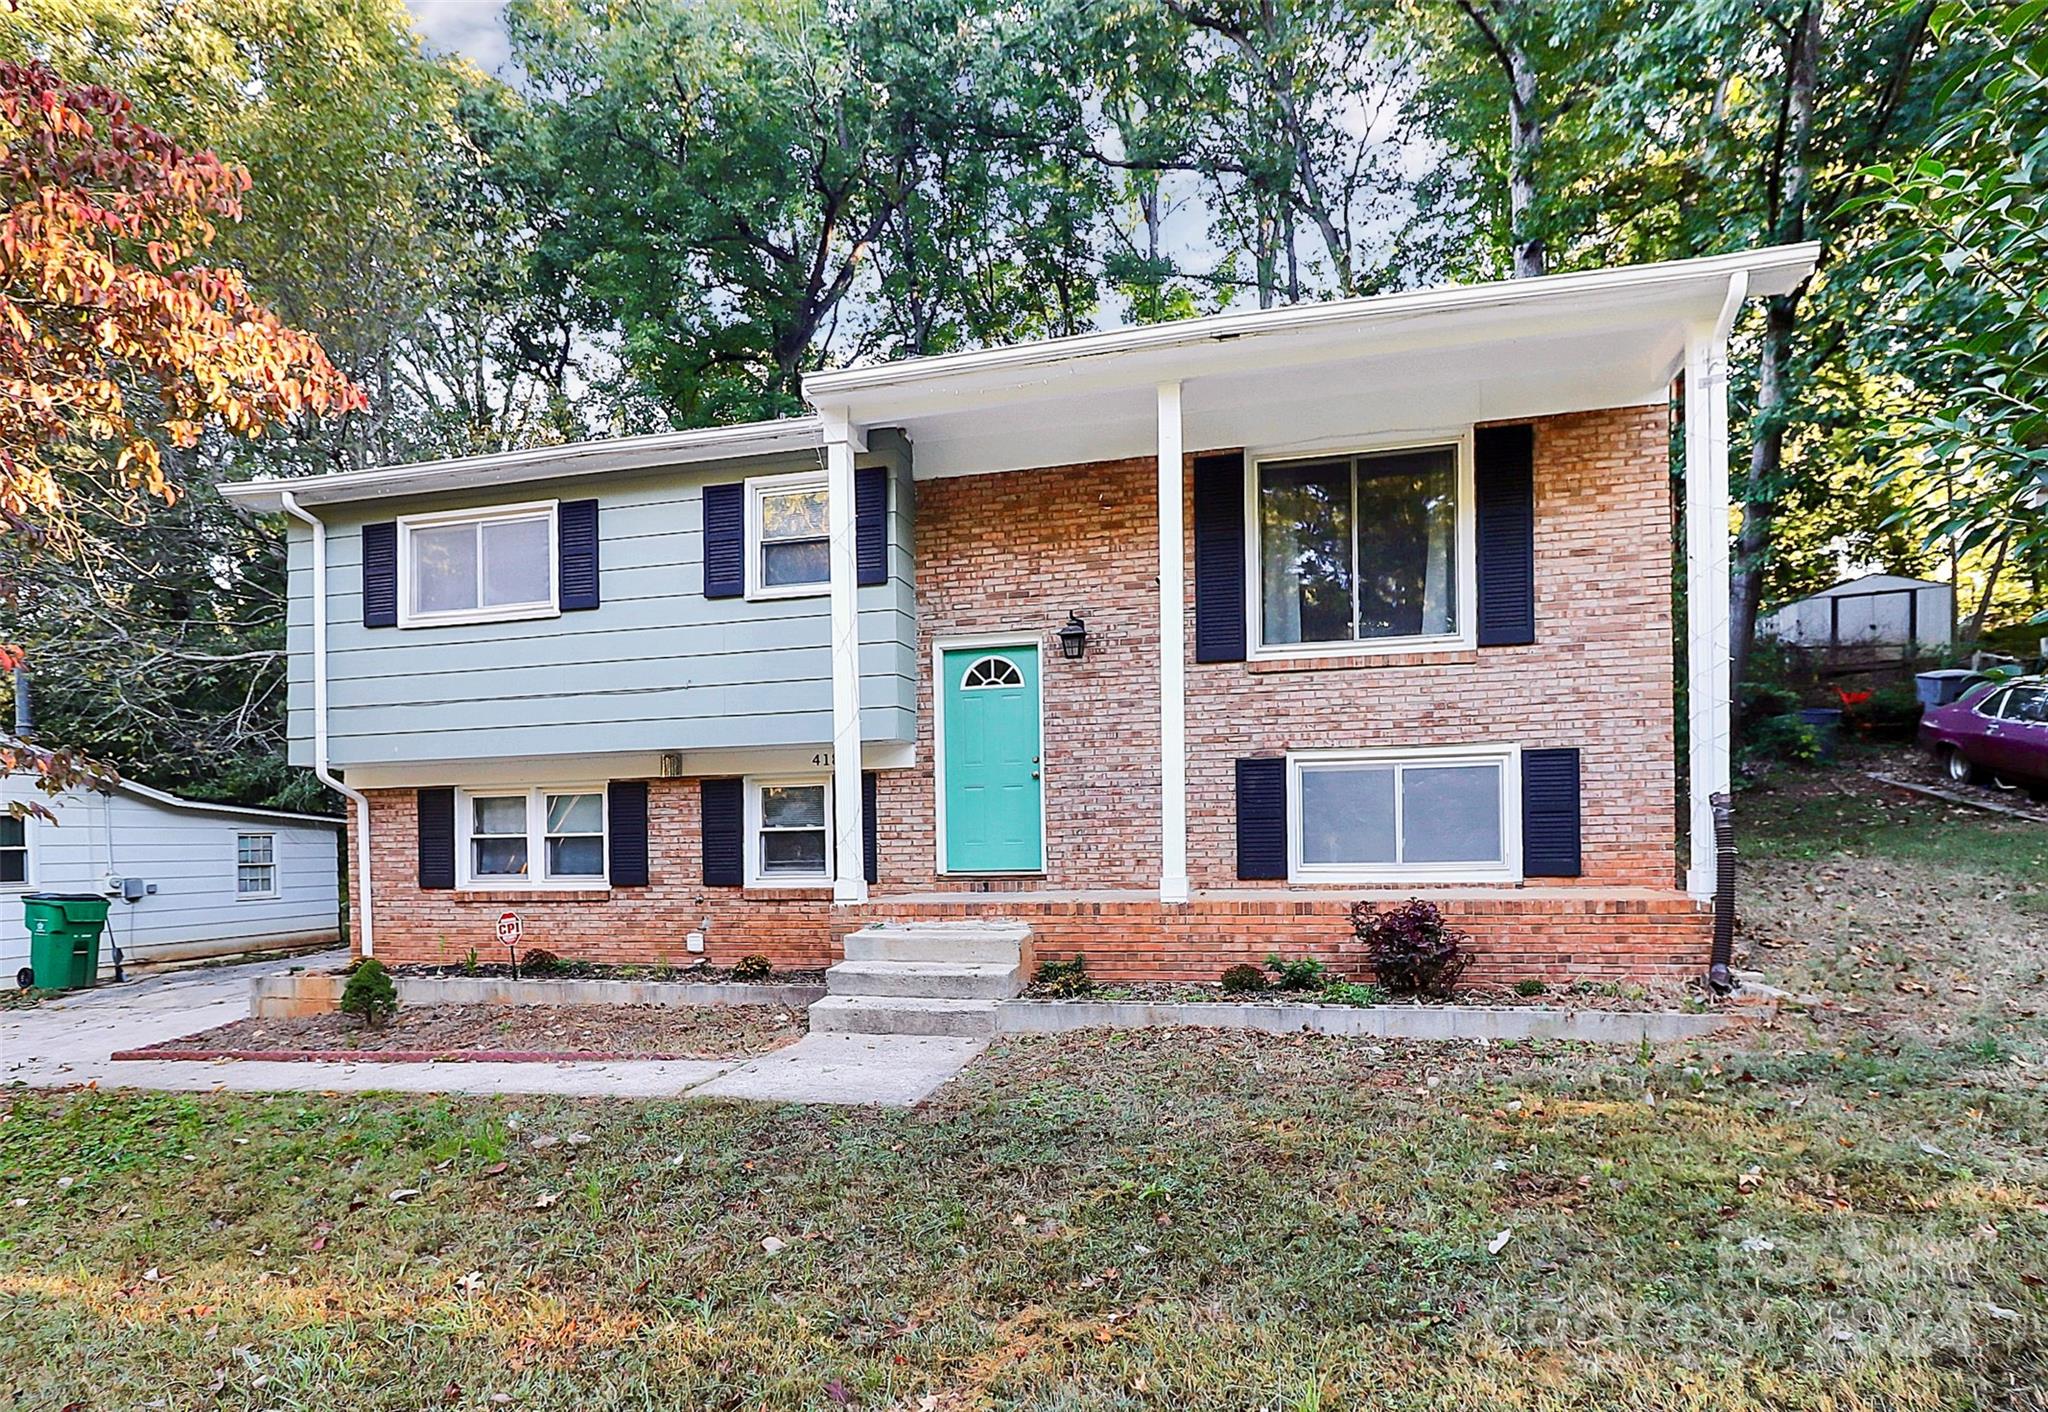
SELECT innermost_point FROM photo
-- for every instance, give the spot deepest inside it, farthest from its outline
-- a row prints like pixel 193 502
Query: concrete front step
pixel 906 1015
pixel 931 980
pixel 958 943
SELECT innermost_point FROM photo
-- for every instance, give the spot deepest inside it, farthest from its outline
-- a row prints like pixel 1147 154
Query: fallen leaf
pixel 405 1193
pixel 1499 1242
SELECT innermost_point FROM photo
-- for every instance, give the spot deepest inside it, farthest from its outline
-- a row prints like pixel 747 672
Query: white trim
pixel 1708 580
pixel 1173 702
pixel 788 436
pixel 750 841
pixel 510 613
pixel 536 878
pixel 849 879
pixel 969 643
pixel 1507 757
pixel 272 892
pixel 758 486
pixel 28 859
pixel 1465 551
pixel 200 806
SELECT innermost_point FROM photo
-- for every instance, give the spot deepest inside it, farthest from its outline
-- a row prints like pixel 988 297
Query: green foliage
pixel 1353 993
pixel 752 967
pixel 1064 980
pixel 1298 972
pixel 1785 738
pixel 1764 699
pixel 469 963
pixel 369 993
pixel 540 963
pixel 1243 978
pixel 1530 986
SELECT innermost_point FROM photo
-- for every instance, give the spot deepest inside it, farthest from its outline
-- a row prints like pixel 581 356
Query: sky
pixel 471 27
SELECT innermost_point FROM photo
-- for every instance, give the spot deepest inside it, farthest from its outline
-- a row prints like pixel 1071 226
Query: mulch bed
pixel 1628 998
pixel 500 1033
pixel 567 970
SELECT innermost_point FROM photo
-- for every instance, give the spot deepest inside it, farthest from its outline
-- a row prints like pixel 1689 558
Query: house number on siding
pixel 822 760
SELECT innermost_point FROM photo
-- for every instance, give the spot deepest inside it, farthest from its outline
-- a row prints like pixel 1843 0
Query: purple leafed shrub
pixel 1411 950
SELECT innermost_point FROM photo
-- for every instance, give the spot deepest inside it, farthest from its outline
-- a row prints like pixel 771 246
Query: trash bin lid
pixel 63 897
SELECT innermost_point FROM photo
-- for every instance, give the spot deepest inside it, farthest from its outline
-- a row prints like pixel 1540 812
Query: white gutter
pixel 361 898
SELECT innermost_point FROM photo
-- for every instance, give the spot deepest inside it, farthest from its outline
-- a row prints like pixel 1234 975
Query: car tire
pixel 1961 769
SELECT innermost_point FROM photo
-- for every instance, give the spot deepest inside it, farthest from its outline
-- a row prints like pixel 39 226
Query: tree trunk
pixel 1760 495
pixel 1525 137
pixel 1975 628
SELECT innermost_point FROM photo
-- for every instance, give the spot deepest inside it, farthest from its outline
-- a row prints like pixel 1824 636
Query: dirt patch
pixel 1580 995
pixel 638 1031
pixel 571 970
pixel 1921 768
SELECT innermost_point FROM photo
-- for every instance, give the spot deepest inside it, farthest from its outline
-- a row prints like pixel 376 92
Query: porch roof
pixel 1421 361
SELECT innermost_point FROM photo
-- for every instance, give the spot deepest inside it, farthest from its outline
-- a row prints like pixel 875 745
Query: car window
pixel 1993 703
pixel 2025 703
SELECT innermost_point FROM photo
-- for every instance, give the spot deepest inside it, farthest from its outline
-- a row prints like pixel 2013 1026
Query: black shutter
pixel 1504 474
pixel 871 525
pixel 626 827
pixel 576 546
pixel 1262 818
pixel 1219 558
pixel 1550 813
pixel 724 828
pixel 870 836
pixel 436 817
pixel 725 540
pixel 380 575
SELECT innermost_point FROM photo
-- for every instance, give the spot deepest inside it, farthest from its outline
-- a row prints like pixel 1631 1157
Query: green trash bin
pixel 64 938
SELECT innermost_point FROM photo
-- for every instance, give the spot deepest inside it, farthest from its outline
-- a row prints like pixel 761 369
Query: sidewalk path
pixel 67 1041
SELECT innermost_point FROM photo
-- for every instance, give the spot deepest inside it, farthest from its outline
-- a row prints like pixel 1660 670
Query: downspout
pixel 1721 960
pixel 361 900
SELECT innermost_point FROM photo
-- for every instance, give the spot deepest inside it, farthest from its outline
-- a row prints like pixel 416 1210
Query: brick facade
pixel 1017 552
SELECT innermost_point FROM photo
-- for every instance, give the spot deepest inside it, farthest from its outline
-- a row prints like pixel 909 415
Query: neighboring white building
pixel 212 879
pixel 1877 610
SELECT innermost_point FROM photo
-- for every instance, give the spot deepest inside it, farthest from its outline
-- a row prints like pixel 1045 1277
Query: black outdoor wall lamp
pixel 1073 638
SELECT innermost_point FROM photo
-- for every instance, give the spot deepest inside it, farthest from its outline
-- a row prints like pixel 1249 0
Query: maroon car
pixel 1996 730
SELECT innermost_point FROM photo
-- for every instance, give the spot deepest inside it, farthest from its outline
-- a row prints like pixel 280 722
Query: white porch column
pixel 1707 581
pixel 849 873
pixel 1173 706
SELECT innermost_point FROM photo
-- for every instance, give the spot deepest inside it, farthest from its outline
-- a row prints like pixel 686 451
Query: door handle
pixel 1034 774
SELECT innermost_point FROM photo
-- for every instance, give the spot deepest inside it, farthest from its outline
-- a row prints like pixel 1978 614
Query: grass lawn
pixel 1849 1211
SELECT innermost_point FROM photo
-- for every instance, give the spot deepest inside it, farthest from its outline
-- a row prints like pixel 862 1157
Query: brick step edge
pixel 419 1056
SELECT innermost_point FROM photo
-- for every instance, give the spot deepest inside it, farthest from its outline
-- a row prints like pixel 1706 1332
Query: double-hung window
pixel 789 833
pixel 533 838
pixel 478 566
pixel 13 851
pixel 255 865
pixel 1366 551
pixel 1447 815
pixel 788 536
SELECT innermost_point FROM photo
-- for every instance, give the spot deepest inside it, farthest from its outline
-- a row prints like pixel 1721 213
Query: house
pixel 1166 642
pixel 187 879
pixel 1876 610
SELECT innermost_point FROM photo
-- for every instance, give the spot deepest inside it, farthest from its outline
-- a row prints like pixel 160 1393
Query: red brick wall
pixel 1016 553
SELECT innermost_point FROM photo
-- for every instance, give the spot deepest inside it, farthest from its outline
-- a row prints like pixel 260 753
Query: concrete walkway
pixel 67 1041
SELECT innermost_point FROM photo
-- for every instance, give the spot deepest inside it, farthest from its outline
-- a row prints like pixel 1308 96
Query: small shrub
pixel 1243 977
pixel 1064 980
pixel 1298 972
pixel 1529 985
pixel 1893 713
pixel 1784 738
pixel 1761 700
pixel 469 966
pixel 538 962
pixel 1412 951
pixel 752 968
pixel 369 994
pixel 1353 993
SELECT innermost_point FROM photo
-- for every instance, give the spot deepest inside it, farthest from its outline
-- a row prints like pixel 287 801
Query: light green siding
pixel 657 667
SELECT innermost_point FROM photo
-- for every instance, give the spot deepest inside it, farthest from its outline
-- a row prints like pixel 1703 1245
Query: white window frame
pixel 1466 549
pixel 751 788
pixel 757 489
pixel 28 859
pixel 537 878
pixel 272 891
pixel 510 613
pixel 1509 870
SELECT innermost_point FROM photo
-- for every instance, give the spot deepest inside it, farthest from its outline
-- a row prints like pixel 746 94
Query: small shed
pixel 187 879
pixel 1877 610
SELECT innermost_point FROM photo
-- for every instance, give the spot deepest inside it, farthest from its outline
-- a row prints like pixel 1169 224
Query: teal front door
pixel 994 784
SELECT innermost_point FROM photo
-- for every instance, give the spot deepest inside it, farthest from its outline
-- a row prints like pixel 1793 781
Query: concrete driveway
pixel 68 1041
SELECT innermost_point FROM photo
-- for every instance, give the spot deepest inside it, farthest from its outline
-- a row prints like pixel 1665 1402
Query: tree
pixel 117 343
pixel 1969 258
